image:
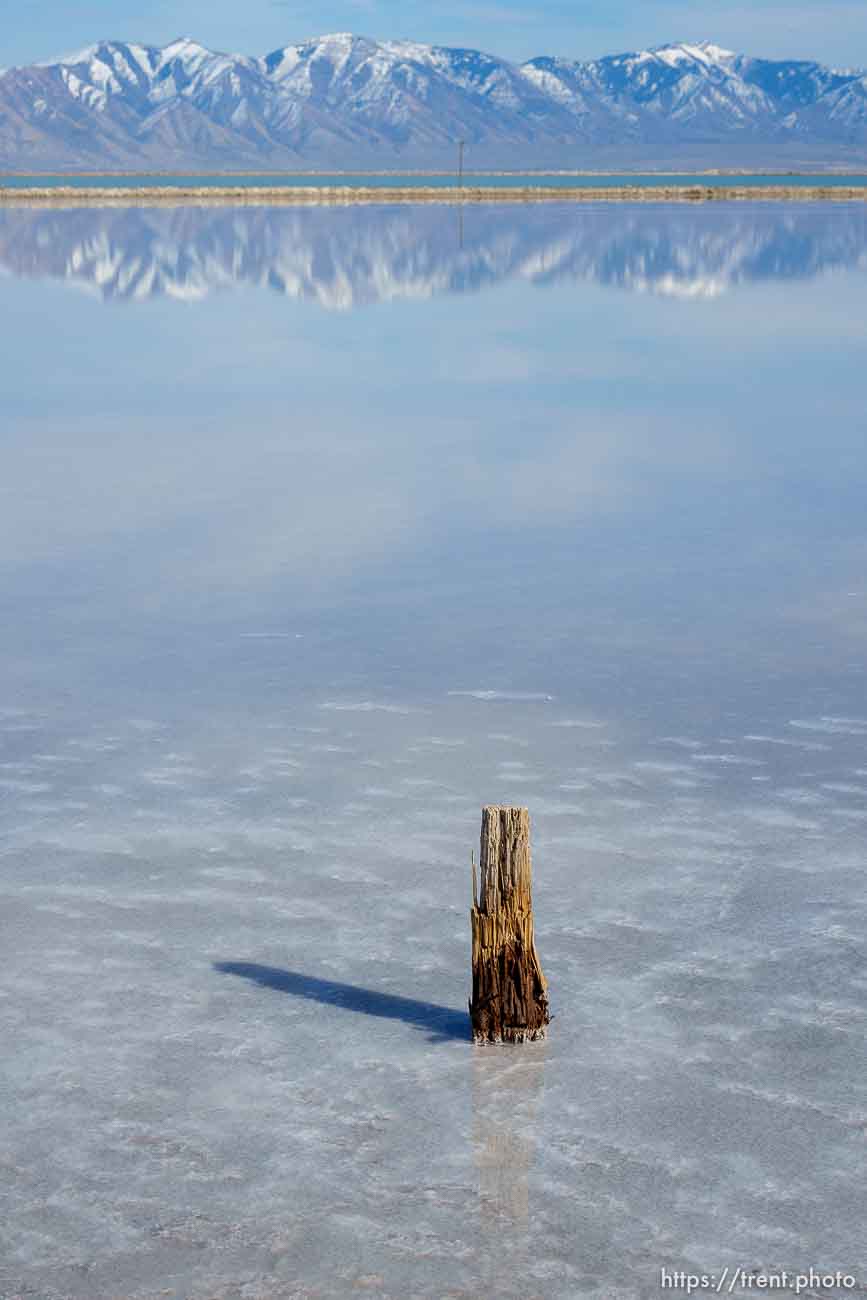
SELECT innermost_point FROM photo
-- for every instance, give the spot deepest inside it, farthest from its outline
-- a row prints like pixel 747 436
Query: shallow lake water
pixel 322 528
pixel 435 180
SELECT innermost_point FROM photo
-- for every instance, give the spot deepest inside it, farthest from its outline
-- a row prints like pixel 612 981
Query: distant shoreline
pixel 345 195
pixel 777 174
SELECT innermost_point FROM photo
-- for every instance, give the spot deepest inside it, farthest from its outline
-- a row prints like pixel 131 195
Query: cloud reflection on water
pixel 287 594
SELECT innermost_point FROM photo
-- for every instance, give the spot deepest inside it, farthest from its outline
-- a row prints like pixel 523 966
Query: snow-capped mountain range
pixel 344 101
pixel 354 256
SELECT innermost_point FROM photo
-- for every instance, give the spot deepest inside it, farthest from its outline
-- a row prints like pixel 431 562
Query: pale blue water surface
pixel 386 180
pixel 321 528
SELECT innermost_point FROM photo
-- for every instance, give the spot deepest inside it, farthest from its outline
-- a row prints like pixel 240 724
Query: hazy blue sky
pixel 832 30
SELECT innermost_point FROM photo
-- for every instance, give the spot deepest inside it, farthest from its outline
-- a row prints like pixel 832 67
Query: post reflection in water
pixel 507 1093
pixel 352 256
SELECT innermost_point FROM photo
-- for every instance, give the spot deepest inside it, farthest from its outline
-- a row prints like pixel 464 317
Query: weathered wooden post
pixel 510 993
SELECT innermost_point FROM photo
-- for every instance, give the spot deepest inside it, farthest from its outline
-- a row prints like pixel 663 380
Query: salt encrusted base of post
pixel 510 993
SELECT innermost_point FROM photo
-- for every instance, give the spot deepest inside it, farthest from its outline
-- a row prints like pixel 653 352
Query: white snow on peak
pixel 410 50
pixel 188 52
pixel 73 58
pixel 717 51
pixel 80 90
pixel 336 47
pixel 336 44
pixel 183 46
pixel 337 38
pixel 140 54
pixel 705 52
pixel 98 52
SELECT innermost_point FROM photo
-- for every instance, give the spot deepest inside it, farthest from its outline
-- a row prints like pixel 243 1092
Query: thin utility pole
pixel 460 187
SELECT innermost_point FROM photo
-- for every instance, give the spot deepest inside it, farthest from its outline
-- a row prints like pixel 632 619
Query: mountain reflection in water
pixel 348 257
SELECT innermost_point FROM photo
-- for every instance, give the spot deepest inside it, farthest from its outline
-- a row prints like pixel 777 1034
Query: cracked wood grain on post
pixel 510 993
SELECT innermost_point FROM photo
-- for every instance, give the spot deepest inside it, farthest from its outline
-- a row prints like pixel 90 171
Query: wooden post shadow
pixel 510 993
